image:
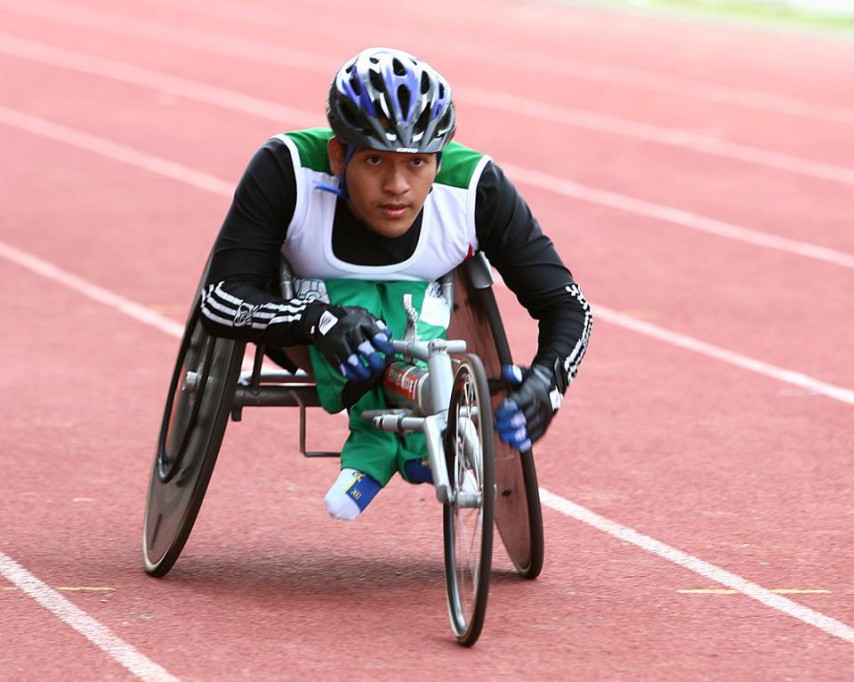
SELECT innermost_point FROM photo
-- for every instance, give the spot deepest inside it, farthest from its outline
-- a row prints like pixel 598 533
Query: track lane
pixel 226 530
pixel 589 639
pixel 193 112
pixel 569 62
pixel 753 301
pixel 601 160
pixel 755 481
pixel 689 53
pixel 34 656
pixel 734 300
pixel 296 583
pixel 539 82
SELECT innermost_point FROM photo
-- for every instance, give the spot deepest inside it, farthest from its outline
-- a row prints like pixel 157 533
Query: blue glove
pixel 354 341
pixel 523 417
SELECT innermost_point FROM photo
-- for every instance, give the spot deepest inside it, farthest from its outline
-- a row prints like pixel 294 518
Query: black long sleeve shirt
pixel 246 257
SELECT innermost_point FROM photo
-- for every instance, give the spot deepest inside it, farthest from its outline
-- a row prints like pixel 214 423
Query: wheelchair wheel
pixel 194 421
pixel 518 515
pixel 468 518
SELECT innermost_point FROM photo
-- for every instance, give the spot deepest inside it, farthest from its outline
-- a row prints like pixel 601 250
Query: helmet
pixel 388 100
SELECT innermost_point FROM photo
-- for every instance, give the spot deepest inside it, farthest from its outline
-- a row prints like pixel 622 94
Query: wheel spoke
pixel 469 518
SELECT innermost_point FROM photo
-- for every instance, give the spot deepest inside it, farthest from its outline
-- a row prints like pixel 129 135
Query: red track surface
pixel 749 471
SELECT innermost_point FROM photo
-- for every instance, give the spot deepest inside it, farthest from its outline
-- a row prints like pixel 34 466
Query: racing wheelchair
pixel 481 482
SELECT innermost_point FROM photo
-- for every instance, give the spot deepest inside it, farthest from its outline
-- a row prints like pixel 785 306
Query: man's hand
pixel 525 414
pixel 354 341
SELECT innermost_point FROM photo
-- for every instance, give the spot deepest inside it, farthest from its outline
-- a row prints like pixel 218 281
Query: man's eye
pixel 373 160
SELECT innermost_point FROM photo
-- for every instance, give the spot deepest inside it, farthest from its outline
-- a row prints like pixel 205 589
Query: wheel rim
pixel 186 395
pixel 469 517
pixel 467 485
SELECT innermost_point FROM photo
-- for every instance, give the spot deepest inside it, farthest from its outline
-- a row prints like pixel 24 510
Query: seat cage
pixel 211 385
pixel 263 386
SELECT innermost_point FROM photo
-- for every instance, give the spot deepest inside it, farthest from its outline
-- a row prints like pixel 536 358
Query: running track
pixel 697 487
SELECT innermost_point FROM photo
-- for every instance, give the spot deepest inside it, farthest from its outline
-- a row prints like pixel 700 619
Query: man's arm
pixel 531 267
pixel 239 299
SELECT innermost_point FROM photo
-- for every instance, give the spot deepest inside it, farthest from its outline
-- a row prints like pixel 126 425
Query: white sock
pixel 351 493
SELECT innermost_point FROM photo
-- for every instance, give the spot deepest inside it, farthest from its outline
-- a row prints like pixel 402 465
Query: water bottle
pixel 408 386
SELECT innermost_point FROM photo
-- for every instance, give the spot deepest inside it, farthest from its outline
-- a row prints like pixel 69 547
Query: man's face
pixel 386 189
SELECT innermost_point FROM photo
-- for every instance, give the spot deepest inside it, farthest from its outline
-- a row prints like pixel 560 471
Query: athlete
pixel 381 204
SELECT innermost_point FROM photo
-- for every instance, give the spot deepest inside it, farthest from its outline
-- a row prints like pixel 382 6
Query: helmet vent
pixel 404 98
pixel 376 80
pixel 422 122
pixel 350 115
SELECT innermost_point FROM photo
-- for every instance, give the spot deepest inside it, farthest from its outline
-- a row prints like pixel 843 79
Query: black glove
pixel 525 414
pixel 353 340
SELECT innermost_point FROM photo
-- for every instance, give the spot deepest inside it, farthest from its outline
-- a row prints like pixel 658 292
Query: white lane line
pixel 313 62
pixel 481 53
pixel 177 35
pixel 89 290
pixel 787 376
pixel 149 317
pixel 215 185
pixel 92 291
pixel 671 137
pixel 714 573
pixel 156 80
pixel 576 67
pixel 115 647
pixel 677 216
pixel 117 152
pixel 232 100
pixel 665 84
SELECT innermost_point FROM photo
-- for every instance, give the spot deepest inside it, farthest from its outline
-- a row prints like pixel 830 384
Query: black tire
pixel 469 517
pixel 194 422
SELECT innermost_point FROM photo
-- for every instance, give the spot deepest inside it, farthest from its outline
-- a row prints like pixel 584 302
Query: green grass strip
pixel 756 14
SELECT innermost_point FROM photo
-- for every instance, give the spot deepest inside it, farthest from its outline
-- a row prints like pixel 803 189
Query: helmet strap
pixel 341 190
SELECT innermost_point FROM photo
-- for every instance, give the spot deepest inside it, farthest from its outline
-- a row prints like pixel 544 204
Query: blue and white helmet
pixel 388 100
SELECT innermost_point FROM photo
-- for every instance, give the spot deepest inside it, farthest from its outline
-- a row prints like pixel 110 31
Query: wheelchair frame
pixel 209 369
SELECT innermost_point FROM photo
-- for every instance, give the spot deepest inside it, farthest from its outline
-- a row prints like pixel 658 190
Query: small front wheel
pixel 469 516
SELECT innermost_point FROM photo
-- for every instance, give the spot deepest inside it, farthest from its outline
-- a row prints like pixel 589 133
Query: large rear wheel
pixel 194 422
pixel 518 516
